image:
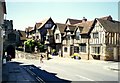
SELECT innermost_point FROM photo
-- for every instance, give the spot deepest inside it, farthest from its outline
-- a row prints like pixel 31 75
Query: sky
pixel 28 13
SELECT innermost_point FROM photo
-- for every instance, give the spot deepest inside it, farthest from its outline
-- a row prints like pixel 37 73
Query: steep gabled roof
pixel 71 27
pixel 43 22
pixel 22 35
pixel 106 18
pixel 110 26
pixel 87 26
pixel 73 21
pixel 61 27
pixel 29 29
pixel 78 27
pixel 37 25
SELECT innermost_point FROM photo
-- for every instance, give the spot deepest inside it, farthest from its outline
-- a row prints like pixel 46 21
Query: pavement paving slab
pixel 14 73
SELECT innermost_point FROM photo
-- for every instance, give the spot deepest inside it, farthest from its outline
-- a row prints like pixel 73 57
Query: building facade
pixel 105 39
pixel 39 31
pixel 11 38
pixel 96 39
pixel 2 12
pixel 58 35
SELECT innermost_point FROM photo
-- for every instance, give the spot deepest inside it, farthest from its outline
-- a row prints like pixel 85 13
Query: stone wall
pixel 24 55
pixel 113 52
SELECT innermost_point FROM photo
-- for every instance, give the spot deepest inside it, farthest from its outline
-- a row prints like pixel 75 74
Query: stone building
pixel 11 38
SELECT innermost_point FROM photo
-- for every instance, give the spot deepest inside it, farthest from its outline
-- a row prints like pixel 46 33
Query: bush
pixel 40 46
pixel 29 45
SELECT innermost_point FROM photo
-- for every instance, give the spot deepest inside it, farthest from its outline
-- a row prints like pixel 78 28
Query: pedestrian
pixel 41 58
pixel 9 57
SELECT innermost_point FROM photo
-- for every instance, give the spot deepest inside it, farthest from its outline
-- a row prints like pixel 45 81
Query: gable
pixel 47 24
pixel 78 30
pixel 68 22
pixel 67 28
pixel 57 31
pixel 98 27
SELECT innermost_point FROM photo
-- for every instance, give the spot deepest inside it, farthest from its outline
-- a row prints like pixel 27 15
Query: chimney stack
pixel 84 19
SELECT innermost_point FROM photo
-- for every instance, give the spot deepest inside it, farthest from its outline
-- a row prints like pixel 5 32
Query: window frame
pixel 95 35
pixel 57 36
pixel 83 48
pixel 96 50
pixel 65 49
pixel 77 36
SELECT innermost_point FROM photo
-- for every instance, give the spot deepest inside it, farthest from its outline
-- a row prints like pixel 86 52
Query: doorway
pixel 11 51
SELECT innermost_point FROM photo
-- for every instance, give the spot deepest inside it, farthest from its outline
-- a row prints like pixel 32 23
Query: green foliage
pixel 40 46
pixel 29 44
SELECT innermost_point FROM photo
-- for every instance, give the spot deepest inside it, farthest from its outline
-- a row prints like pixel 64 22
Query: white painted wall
pixel 57 31
pixel 101 34
pixel 66 54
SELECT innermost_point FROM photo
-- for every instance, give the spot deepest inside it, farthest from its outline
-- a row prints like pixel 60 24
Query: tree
pixel 41 47
pixel 29 45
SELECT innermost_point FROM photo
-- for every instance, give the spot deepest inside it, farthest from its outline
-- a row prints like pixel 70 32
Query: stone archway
pixel 11 50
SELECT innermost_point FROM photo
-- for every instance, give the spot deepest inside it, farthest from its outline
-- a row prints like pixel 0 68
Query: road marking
pixel 85 78
pixel 107 68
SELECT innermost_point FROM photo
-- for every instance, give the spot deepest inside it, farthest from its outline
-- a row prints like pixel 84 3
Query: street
pixel 75 70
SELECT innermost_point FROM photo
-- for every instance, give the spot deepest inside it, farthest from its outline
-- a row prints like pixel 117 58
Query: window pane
pixel 65 49
pixel 77 35
pixel 95 35
pixel 57 36
pixel 76 49
pixel 96 50
pixel 83 48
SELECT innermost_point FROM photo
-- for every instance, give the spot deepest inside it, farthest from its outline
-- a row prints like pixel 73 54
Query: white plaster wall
pixel 57 32
pixel 66 54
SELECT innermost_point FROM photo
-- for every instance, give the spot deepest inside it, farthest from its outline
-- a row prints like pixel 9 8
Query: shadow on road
pixel 15 68
pixel 9 69
pixel 44 75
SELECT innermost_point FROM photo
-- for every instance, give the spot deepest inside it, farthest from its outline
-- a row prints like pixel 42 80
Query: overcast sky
pixel 26 14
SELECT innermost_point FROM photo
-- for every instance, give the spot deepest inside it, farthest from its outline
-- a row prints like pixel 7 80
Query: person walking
pixel 41 58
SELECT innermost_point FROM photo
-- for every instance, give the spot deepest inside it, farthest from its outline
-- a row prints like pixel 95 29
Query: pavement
pixel 112 64
pixel 14 73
